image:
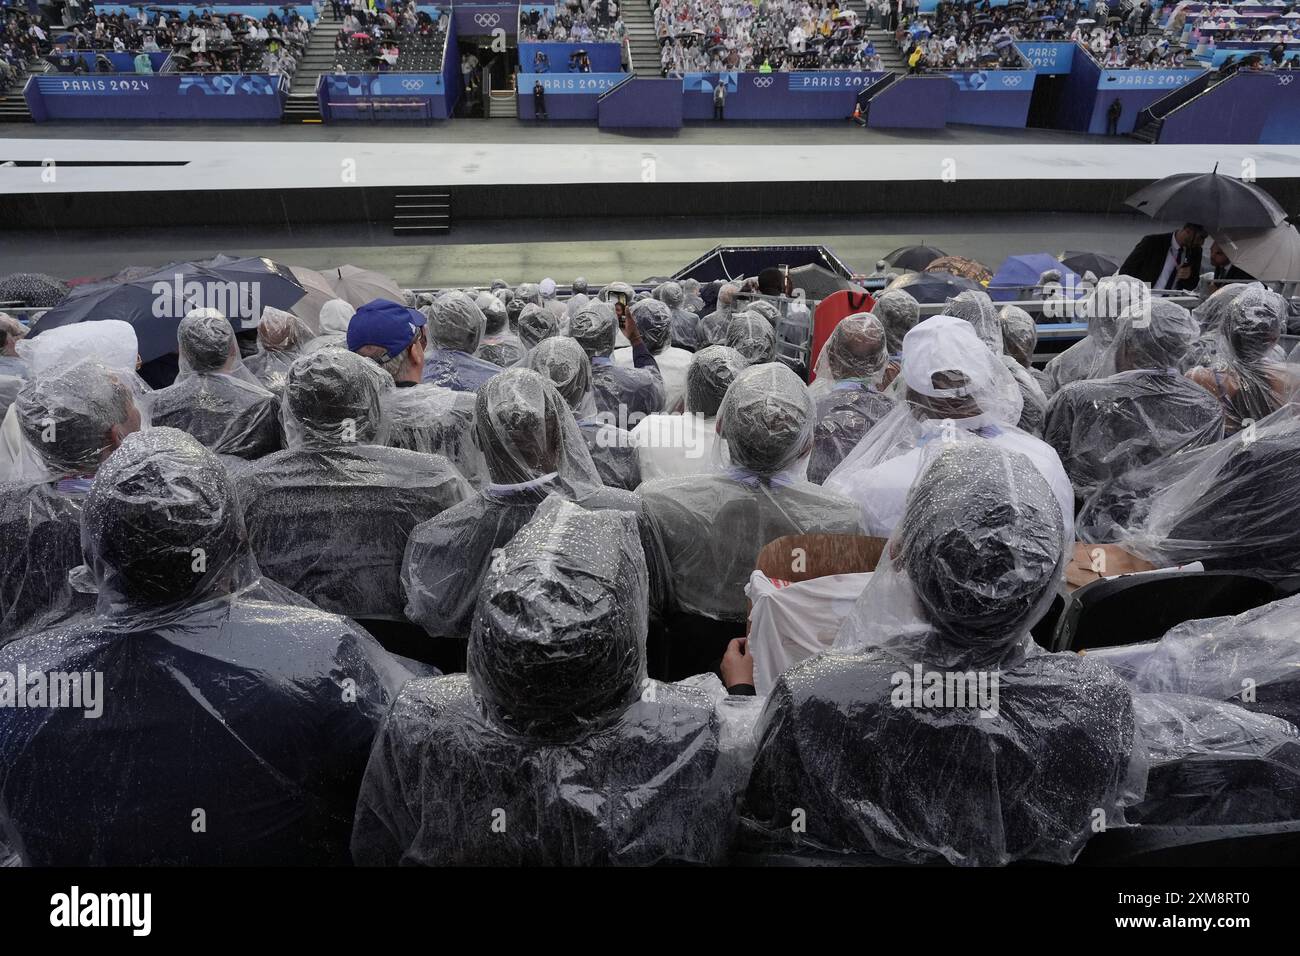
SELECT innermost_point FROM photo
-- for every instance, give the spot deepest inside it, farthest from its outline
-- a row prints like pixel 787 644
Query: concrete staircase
pixel 13 108
pixel 302 106
pixel 891 56
pixel 643 44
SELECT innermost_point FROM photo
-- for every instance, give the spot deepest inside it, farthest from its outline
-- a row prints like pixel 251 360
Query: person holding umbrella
pixel 1168 260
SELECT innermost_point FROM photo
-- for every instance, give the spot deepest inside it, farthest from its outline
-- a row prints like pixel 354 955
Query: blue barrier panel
pixel 569 96
pixel 384 96
pixel 168 96
pixel 122 62
pixel 1079 97
pixel 481 19
pixel 605 57
pixel 912 102
pixel 1047 58
pixel 828 94
pixel 1135 90
pixel 1245 108
pixel 991 97
pixel 642 102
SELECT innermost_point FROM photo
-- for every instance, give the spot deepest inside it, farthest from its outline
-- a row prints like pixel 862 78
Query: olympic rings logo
pixel 1011 80
pixel 412 84
pixel 762 82
pixel 487 19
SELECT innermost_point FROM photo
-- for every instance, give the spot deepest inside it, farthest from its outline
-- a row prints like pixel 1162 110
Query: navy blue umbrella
pixel 914 257
pixel 928 287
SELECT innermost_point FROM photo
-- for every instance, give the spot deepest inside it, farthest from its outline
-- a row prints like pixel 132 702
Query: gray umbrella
pixel 1267 254
pixel 1210 199
pixel 818 282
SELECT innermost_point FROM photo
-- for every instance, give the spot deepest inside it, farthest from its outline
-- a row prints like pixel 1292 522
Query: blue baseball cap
pixel 381 322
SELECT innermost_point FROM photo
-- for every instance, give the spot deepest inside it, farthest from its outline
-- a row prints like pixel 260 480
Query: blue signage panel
pixel 826 80
pixel 1047 58
pixel 1145 79
pixel 590 84
pixel 993 81
pixel 386 84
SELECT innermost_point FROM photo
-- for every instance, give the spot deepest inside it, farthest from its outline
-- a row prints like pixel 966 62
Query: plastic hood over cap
pixel 1211 313
pixel 972 566
pixel 951 378
pixel 494 312
pixel 335 316
pixel 207 343
pixel 161 501
pixel 594 326
pixel 655 321
pixel 898 312
pixel 332 397
pixel 1113 296
pixel 112 342
pixel 1154 340
pixel 978 309
pixel 71 417
pixel 536 324
pixel 558 643
pixel 855 351
pixel 455 322
pixel 767 419
pixel 528 292
pixel 672 294
pixel 1019 334
pixel 710 374
pixel 281 331
pixel 752 336
pixel 527 431
pixel 562 360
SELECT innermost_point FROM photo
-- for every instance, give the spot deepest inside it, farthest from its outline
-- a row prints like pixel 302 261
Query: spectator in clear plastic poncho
pixel 500 346
pixel 712 329
pixel 847 389
pixel 685 323
pixel 693 302
pixel 1016 768
pixel 215 398
pixel 556 748
pixel 753 336
pixel 1223 505
pixel 455 330
pixel 329 516
pixel 654 320
pixel 71 418
pixel 897 312
pixel 952 388
pixel 1110 298
pixel 562 360
pixel 13 370
pixel 1247 377
pixel 673 446
pixel 221 692
pixel 713 526
pixel 335 316
pixel 281 338
pixel 978 309
pixel 536 324
pixel 529 436
pixel 627 394
pixel 420 416
pixel 1105 427
pixel 1019 339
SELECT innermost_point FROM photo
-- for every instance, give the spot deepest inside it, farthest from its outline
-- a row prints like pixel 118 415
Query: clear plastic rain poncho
pixel 281 338
pixel 562 360
pixel 713 526
pixel 628 394
pixel 13 370
pixel 555 748
pixel 455 330
pixel 1214 764
pixel 1103 428
pixel 898 312
pixel 712 329
pixel 753 336
pixel 329 516
pixel 847 389
pixel 215 398
pixel 978 309
pixel 533 448
pixel 500 346
pixel 436 421
pixel 1019 339
pixel 72 418
pixel 217 690
pixel 535 324
pixel 655 322
pixel 952 388
pixel 1247 377
pixel 685 323
pixel 1228 505
pixel 1110 298
pixel 971 744
pixel 335 317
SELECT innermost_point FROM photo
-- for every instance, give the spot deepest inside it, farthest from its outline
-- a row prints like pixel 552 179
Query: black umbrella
pixel 33 290
pixel 1210 199
pixel 927 287
pixel 819 282
pixel 915 258
pixel 1098 263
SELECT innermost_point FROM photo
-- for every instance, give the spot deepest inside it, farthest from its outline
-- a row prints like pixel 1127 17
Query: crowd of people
pixel 390 573
pixel 774 35
pixel 575 21
pixel 23 38
pixel 401 36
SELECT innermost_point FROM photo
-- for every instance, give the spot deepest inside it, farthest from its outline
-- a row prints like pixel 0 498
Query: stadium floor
pixel 600 249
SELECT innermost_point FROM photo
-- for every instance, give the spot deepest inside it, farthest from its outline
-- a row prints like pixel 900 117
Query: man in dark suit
pixel 1167 261
pixel 1225 272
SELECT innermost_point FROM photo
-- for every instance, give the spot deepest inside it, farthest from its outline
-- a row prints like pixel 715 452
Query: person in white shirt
pixel 673 446
pixel 953 389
